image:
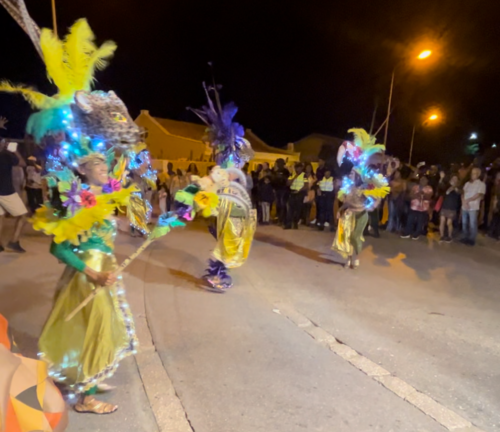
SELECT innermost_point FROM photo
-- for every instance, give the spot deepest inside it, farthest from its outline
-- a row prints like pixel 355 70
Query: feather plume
pixel 78 46
pixel 54 57
pixel 99 59
pixel 83 56
pixel 36 99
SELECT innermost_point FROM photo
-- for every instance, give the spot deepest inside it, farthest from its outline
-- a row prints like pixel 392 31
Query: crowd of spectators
pixel 455 202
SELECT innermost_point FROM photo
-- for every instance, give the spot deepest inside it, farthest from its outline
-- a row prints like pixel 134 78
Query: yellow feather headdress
pixel 70 64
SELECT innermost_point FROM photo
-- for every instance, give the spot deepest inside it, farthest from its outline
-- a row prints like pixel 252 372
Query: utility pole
pixel 54 18
pixel 411 143
pixel 389 108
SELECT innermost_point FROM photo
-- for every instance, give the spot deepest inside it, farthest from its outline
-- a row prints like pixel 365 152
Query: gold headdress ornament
pixel 93 158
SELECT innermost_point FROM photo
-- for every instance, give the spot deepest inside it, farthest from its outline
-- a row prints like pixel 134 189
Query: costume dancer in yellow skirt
pixel 360 193
pixel 236 222
pixel 90 132
pixel 86 350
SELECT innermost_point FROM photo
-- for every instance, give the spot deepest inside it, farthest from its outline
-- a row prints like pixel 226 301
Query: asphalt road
pixel 427 313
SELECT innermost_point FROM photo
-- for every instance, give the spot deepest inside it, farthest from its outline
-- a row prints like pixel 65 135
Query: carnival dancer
pixel 236 221
pixel 360 193
pixel 87 134
pixel 86 350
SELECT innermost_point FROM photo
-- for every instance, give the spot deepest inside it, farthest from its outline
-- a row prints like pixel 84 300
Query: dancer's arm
pixel 64 253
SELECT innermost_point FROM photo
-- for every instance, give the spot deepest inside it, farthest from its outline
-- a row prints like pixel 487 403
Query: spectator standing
pixel 396 202
pixel 324 201
pixel 433 178
pixel 34 184
pixel 298 190
pixel 280 177
pixel 421 196
pixel 266 198
pixel 164 194
pixel 310 194
pixel 320 172
pixel 249 179
pixel 494 230
pixel 265 171
pixel 256 175
pixel 10 201
pixel 449 209
pixel 180 180
pixel 473 193
pixel 192 171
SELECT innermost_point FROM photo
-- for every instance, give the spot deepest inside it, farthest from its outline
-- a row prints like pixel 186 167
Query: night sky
pixel 292 67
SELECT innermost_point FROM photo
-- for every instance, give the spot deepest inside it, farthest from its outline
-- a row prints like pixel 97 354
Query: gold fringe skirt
pixel 234 236
pixel 86 350
pixel 349 237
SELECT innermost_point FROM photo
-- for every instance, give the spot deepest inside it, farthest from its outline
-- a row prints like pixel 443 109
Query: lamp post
pixel 422 56
pixel 432 118
pixel 54 17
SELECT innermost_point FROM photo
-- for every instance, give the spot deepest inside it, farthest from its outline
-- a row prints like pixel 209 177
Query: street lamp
pixel 422 56
pixel 430 118
pixel 473 136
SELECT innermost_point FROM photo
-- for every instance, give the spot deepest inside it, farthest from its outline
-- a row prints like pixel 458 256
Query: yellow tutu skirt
pixel 86 350
pixel 234 236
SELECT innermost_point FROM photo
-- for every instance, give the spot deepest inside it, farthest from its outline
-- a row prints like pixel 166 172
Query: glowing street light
pixel 424 54
pixel 473 136
pixel 435 116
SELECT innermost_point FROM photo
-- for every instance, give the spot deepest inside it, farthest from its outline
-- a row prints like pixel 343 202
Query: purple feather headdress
pixel 225 136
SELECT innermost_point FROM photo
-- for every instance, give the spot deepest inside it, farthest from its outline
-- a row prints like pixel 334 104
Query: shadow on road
pixel 292 247
pixel 186 277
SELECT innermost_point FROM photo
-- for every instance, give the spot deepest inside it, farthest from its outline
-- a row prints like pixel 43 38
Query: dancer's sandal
pixel 348 264
pixel 90 405
pixel 355 264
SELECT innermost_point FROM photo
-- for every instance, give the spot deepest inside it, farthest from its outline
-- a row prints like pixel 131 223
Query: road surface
pixel 427 315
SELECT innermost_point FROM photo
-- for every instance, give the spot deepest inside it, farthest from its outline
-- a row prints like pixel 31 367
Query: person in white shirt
pixel 34 184
pixel 473 194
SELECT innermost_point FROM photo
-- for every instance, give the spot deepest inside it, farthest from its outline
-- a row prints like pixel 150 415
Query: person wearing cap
pixel 10 201
pixel 298 189
pixel 34 184
pixel 325 200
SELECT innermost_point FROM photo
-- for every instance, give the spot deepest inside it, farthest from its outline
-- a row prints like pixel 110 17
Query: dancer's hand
pixel 110 278
pixel 100 278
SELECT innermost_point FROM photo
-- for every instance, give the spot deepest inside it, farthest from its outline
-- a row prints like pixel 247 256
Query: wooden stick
pixel 122 267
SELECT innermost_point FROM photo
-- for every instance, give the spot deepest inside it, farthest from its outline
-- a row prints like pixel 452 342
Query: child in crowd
pixel 449 209
pixel 266 198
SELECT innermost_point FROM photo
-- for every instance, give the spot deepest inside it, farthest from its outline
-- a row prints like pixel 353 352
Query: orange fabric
pixel 4 335
pixel 11 423
pixel 53 418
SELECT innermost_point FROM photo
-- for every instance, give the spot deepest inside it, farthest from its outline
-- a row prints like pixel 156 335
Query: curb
pixel 165 404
